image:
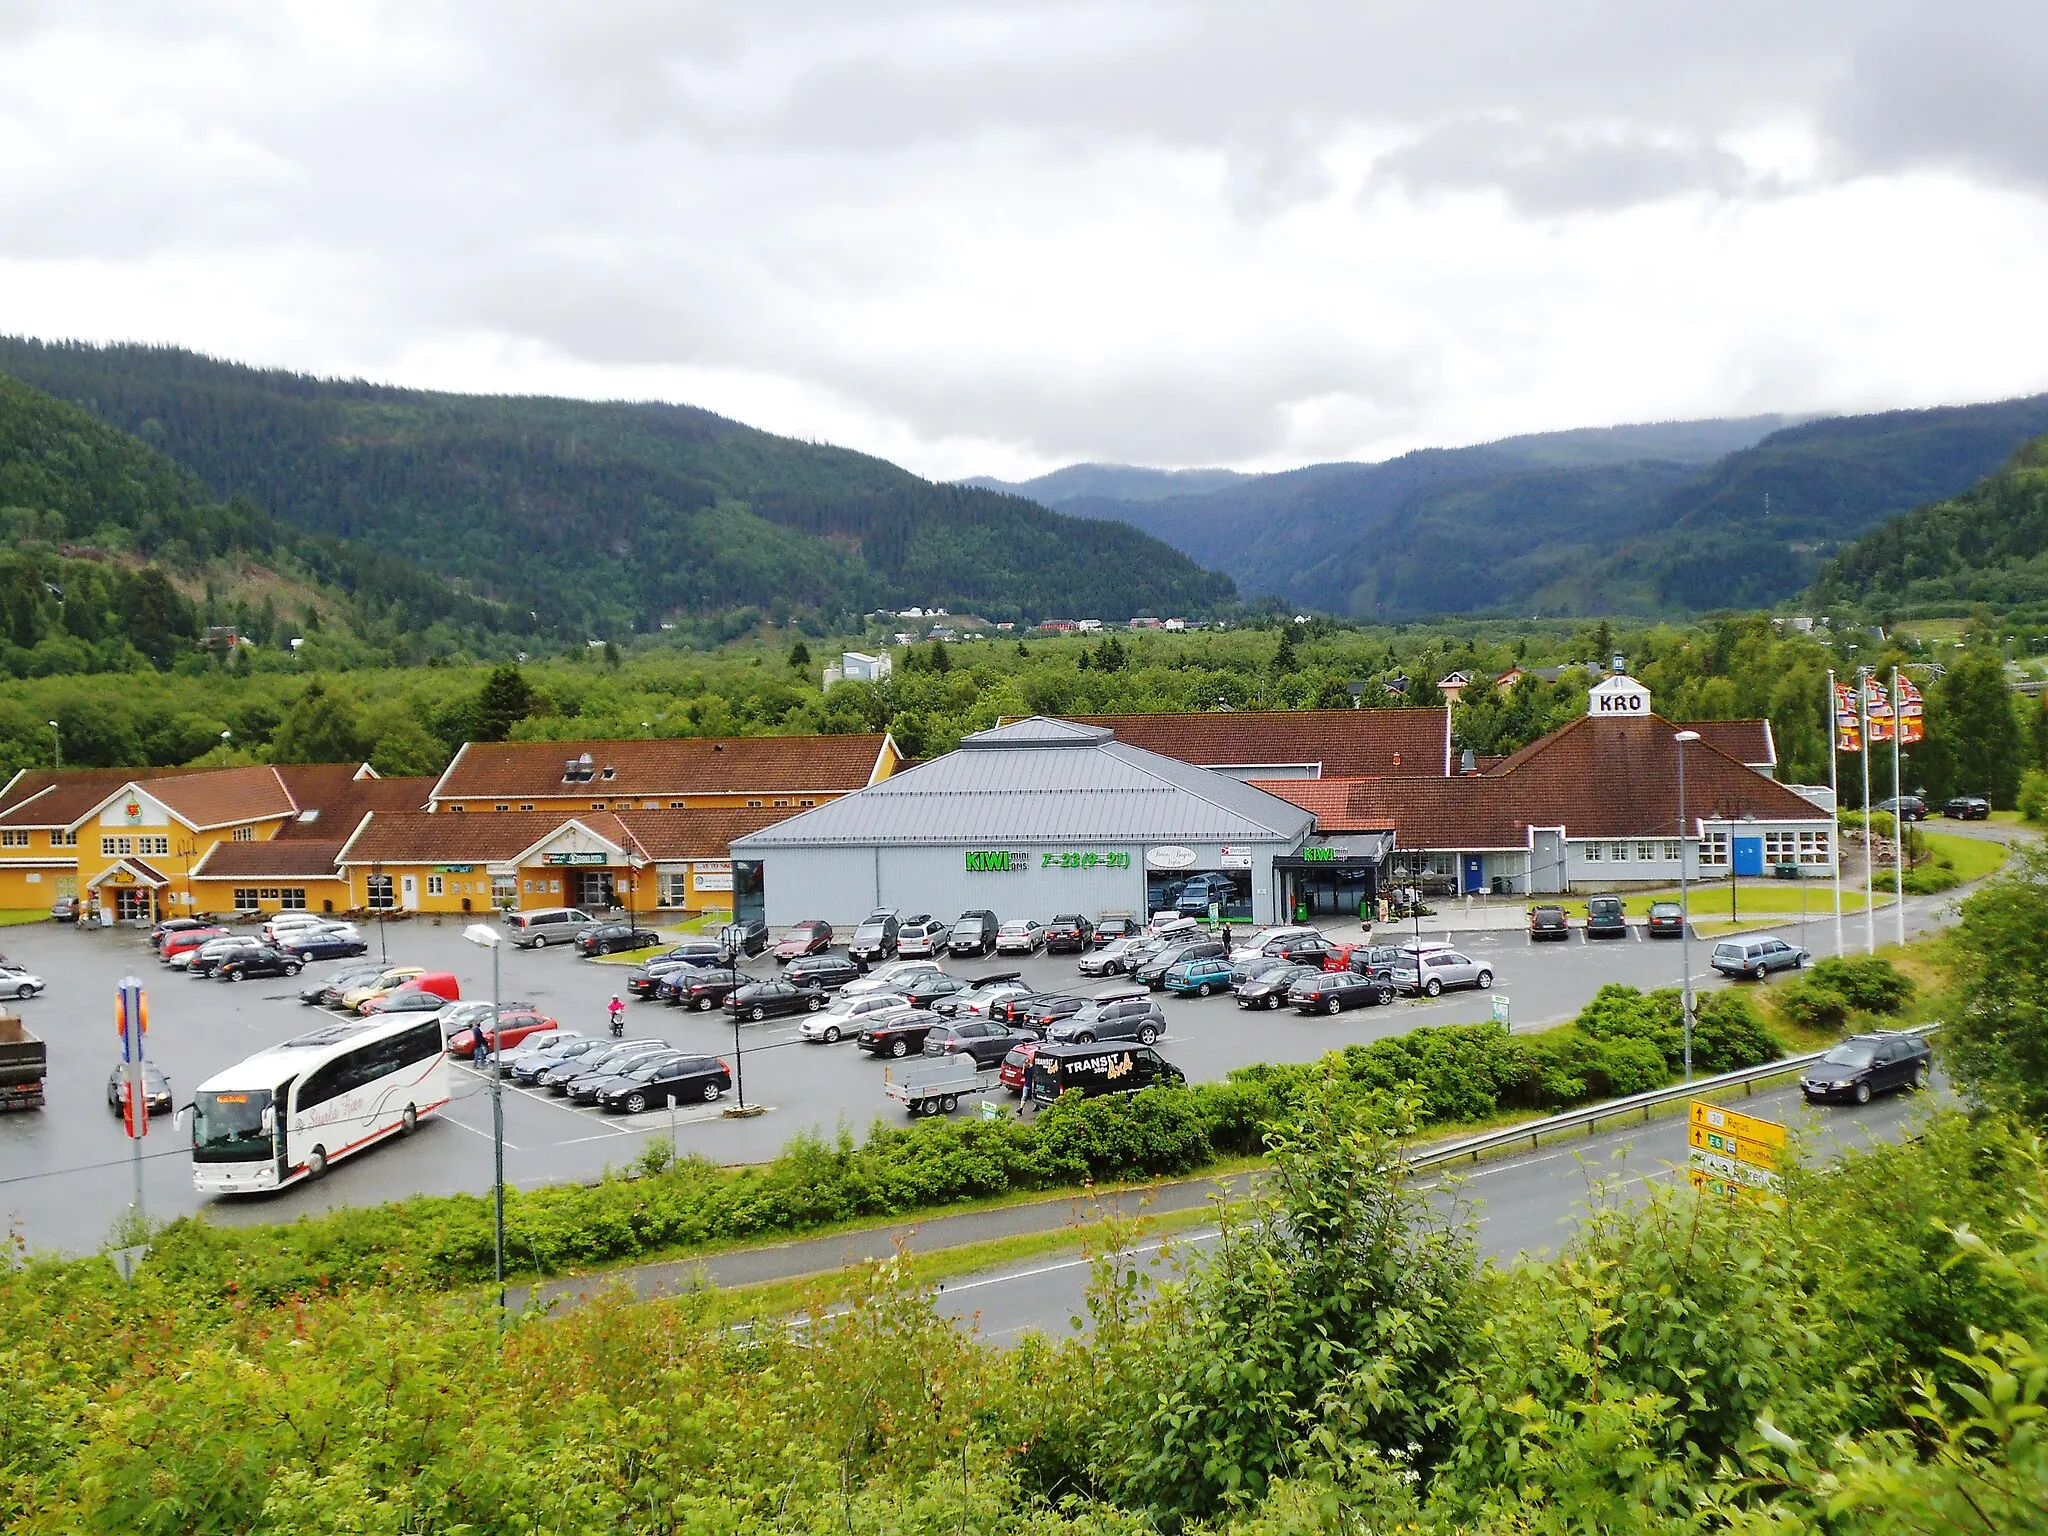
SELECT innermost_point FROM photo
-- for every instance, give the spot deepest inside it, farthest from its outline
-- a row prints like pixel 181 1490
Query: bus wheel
pixel 316 1162
pixel 409 1121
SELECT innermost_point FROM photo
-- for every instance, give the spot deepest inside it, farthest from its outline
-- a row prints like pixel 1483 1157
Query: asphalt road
pixel 1526 1204
pixel 64 1170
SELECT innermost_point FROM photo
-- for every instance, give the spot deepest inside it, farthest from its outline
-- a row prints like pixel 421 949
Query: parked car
pixel 64 909
pixel 206 959
pixel 773 998
pixel 646 978
pixel 1966 808
pixel 1116 925
pixel 1016 1063
pixel 1666 920
pixel 1172 925
pixel 171 925
pixel 1252 967
pixel 1020 936
pixel 1037 1011
pixel 1606 918
pixel 1335 991
pixel 1263 940
pixel 1549 924
pixel 928 987
pixel 876 938
pixel 1866 1064
pixel 16 982
pixel 891 977
pixel 156 1088
pixel 1199 976
pixel 529 1064
pixel 602 1062
pixel 1111 958
pixel 1905 807
pixel 552 1044
pixel 1435 967
pixel 1061 1069
pixel 747 937
pixel 1069 933
pixel 1756 958
pixel 973 933
pixel 286 923
pixel 976 996
pixel 339 942
pixel 984 1040
pixel 178 946
pixel 429 993
pixel 383 982
pixel 328 989
pixel 515 1027
pixel 1153 971
pixel 844 1016
pixel 543 926
pixel 897 1034
pixel 922 935
pixel 697 1079
pixel 711 952
pixel 828 971
pixel 1132 1016
pixel 811 937
pixel 615 939
pixel 702 987
pixel 265 960
pixel 586 1088
pixel 1269 989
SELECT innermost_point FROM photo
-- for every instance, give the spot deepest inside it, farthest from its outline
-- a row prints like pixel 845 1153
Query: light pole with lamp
pixel 57 745
pixel 1684 739
pixel 488 937
pixel 225 749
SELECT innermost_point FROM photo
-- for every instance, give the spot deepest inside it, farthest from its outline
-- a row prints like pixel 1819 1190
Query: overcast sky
pixel 998 238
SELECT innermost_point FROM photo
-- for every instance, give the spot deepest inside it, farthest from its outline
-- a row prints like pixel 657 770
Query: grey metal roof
pixel 1077 783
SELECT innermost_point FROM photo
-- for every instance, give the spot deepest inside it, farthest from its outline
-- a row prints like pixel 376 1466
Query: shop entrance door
pixel 409 892
pixel 131 903
pixel 594 890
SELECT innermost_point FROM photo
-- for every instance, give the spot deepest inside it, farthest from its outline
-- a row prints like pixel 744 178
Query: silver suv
pixel 1434 967
pixel 1112 1018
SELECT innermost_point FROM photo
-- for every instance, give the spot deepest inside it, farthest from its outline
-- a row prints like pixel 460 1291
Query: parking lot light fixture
pixel 491 939
pixel 57 745
pixel 1684 740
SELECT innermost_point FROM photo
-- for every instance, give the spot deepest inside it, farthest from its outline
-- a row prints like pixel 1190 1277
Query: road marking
pixel 450 1119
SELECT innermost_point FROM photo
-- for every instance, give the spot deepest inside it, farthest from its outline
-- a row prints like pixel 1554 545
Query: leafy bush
pixel 1936 875
pixel 1870 983
pixel 2033 796
pixel 1810 1005
pixel 1727 1033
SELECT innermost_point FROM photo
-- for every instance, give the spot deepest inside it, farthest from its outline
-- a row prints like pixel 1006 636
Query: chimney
pixel 1468 761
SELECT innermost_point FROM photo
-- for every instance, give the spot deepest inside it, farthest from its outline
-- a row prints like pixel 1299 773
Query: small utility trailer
pixel 936 1085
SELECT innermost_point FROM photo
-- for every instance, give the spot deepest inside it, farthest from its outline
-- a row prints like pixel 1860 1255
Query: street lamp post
pixel 57 745
pixel 1684 739
pixel 479 933
pixel 225 749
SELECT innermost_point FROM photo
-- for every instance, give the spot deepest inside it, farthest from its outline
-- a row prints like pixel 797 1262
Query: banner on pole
pixel 1848 724
pixel 1912 714
pixel 1878 705
pixel 131 1018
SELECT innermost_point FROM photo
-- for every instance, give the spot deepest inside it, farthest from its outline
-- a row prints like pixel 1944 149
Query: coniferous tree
pixel 504 700
pixel 799 655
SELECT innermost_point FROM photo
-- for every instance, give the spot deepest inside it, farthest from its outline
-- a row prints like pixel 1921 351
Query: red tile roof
pixel 493 837
pixel 1345 743
pixel 1596 778
pixel 782 765
pixel 342 794
pixel 280 858
pixel 1747 741
pixel 226 796
pixel 43 797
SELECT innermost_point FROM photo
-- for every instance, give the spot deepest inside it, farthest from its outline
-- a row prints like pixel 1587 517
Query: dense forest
pixel 611 518
pixel 1678 518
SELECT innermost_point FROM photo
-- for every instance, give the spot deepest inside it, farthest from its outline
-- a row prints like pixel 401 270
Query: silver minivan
pixel 543 926
pixel 1757 958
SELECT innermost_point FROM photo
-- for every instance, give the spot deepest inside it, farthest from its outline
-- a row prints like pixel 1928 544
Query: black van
pixel 974 933
pixel 1091 1069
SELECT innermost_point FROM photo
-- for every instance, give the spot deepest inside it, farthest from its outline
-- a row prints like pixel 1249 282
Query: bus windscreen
pixel 228 1127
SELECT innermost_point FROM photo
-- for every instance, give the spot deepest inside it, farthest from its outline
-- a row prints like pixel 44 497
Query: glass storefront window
pixel 1192 892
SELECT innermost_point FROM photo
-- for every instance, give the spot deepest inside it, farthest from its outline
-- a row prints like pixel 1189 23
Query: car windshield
pixel 230 1125
pixel 1851 1053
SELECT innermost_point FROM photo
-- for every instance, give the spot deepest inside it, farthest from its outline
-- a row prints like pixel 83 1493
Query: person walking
pixel 617 1010
pixel 480 1053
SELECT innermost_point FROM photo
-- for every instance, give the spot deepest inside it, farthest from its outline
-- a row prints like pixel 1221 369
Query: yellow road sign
pixel 1729 1122
pixel 1728 1144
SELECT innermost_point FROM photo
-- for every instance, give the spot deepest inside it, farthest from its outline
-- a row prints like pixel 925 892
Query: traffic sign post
pixel 1733 1154
pixel 131 1020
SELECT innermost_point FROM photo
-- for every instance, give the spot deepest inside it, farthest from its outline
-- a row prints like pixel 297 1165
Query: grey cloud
pixel 1549 171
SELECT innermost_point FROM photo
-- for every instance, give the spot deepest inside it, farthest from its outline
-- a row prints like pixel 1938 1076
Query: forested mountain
pixel 1671 518
pixel 611 516
pixel 1988 545
pixel 99 533
pixel 1116 482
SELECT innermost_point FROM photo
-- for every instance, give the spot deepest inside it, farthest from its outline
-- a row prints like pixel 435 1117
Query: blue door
pixel 1749 855
pixel 1475 879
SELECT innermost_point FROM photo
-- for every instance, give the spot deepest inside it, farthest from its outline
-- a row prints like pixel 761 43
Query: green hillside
pixel 1988 545
pixel 105 544
pixel 612 516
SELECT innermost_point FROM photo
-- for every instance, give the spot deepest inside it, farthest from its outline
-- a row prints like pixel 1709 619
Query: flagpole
pixel 1869 846
pixel 1834 721
pixel 1899 802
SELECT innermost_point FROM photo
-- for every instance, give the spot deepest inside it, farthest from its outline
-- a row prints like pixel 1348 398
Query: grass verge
pixel 1972 858
pixel 16 917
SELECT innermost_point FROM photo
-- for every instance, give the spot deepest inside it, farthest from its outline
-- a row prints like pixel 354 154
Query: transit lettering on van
pixel 1056 1069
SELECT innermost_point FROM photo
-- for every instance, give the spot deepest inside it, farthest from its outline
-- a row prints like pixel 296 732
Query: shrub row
pixel 1623 1042
pixel 1838 989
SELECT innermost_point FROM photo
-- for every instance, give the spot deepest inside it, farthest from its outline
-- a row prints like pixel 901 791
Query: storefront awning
pixel 1367 851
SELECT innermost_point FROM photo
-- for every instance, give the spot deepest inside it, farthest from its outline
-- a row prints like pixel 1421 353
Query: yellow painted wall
pixel 22 889
pixel 218 896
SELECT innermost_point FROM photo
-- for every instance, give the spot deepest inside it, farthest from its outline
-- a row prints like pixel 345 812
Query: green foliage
pixel 1974 743
pixel 2032 799
pixel 320 727
pixel 799 655
pixel 1868 983
pixel 502 702
pixel 1995 1043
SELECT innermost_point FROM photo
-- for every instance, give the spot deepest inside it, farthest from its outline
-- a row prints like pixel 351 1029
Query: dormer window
pixel 610 772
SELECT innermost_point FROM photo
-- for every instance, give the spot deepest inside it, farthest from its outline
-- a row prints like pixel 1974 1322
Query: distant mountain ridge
pixel 1114 482
pixel 1659 518
pixel 610 516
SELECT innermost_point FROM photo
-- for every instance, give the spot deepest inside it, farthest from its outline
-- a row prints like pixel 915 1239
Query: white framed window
pixel 1714 848
pixel 245 834
pixel 292 898
pixel 1671 851
pixel 434 882
pixel 1813 848
pixel 529 887
pixel 502 806
pixel 1644 853
pixel 677 805
pixel 753 805
pixel 13 839
pixel 63 839
pixel 1618 852
pixel 1780 847
pixel 675 890
pixel 380 893
pixel 526 805
pixel 117 847
pixel 807 802
pixel 1594 852
pixel 159 845
pixel 246 899
pixel 504 890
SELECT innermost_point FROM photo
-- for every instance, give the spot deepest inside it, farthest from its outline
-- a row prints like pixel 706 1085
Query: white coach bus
pixel 289 1111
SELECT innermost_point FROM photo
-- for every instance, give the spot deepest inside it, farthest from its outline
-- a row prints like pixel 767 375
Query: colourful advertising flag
pixel 1912 714
pixel 1848 725
pixel 1878 705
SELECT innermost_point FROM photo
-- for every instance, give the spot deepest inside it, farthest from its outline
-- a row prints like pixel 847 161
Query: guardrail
pixel 1534 1131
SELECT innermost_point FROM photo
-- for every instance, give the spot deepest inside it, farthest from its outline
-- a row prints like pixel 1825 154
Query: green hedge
pixel 1623 1042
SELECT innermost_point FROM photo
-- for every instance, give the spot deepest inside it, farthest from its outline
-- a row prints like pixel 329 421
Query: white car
pixel 975 1002
pixel 283 924
pixel 845 1015
pixel 1256 943
pixel 887 978
pixel 15 982
pixel 1020 936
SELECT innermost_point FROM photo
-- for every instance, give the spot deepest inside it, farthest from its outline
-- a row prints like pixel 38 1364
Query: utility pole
pixel 1684 739
pixel 489 938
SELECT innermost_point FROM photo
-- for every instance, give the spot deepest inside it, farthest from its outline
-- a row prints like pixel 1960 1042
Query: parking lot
pixel 64 1171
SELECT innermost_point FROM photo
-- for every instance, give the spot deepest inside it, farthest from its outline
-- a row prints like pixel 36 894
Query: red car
pixel 187 939
pixel 1017 1065
pixel 807 938
pixel 424 993
pixel 514 1024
